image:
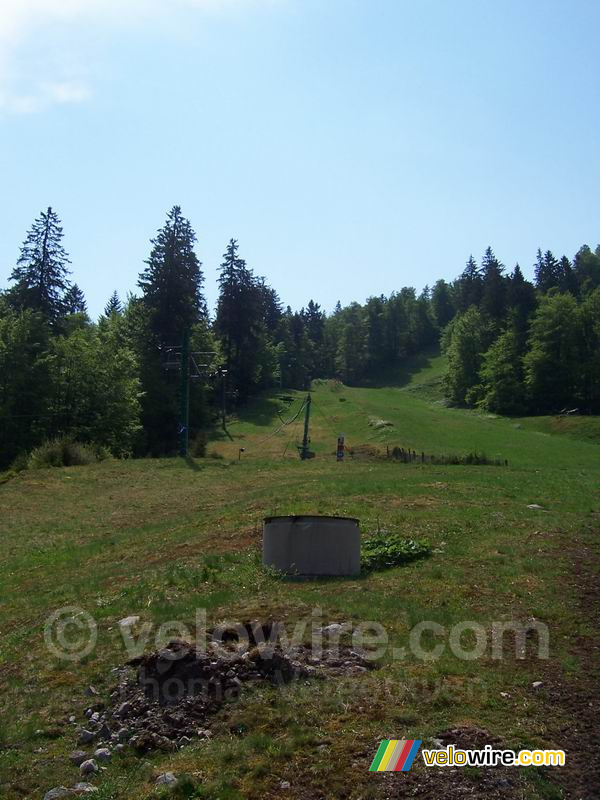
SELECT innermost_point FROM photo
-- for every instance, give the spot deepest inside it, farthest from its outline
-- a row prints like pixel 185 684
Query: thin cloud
pixel 45 95
pixel 21 21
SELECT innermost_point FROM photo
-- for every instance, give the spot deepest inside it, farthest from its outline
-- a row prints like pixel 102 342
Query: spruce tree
pixel 240 325
pixel 493 300
pixel 521 300
pixel 567 281
pixel 469 287
pixel 74 301
pixel 442 304
pixel 172 281
pixel 114 305
pixel 547 272
pixel 41 275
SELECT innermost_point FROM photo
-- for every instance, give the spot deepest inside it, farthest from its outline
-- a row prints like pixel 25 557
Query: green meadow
pixel 162 538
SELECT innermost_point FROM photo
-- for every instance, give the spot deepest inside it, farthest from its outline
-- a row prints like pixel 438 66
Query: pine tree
pixel 521 300
pixel 172 282
pixel 352 350
pixel 375 323
pixel 314 320
pixel 547 273
pixel 240 325
pixel 493 300
pixel 41 275
pixel 114 305
pixel 469 286
pixel 271 305
pixel 442 304
pixel 567 281
pixel 74 301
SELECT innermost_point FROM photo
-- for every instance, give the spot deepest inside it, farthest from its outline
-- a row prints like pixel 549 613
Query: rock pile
pixel 164 699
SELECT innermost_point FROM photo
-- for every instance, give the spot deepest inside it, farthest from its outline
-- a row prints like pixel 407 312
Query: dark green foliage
pixel 469 286
pixel 172 281
pixel 384 550
pixel 442 304
pixel 493 300
pixel 64 452
pixel 586 267
pixel 502 375
pixel 26 371
pixel 240 324
pixel 552 368
pixel 470 337
pixel 547 271
pixel 512 347
pixel 520 299
pixel 589 355
pixel 114 305
pixel 74 301
pixel 41 275
pixel 172 303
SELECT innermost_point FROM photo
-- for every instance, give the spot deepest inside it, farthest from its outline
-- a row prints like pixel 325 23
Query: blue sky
pixel 352 146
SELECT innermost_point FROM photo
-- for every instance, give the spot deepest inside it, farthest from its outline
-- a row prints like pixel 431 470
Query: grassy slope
pixel 136 537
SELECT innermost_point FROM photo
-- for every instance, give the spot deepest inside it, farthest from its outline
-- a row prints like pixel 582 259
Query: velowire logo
pixel 395 755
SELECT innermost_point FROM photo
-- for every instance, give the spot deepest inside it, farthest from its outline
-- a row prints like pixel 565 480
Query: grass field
pixel 161 538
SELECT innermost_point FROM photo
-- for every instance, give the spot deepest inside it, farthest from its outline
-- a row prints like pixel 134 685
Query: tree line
pixel 512 346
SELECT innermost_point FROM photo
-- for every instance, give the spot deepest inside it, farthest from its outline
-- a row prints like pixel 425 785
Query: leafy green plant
pixel 385 550
pixel 64 452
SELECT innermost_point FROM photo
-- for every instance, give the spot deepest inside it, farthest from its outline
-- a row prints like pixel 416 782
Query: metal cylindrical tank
pixel 309 546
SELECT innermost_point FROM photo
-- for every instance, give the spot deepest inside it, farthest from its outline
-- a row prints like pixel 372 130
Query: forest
pixel 513 346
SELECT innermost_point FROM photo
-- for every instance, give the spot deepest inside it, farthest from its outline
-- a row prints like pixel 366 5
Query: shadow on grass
pixel 264 410
pixel 402 374
pixel 193 464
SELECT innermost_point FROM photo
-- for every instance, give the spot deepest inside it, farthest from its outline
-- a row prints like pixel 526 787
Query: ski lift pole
pixel 185 394
pixel 304 452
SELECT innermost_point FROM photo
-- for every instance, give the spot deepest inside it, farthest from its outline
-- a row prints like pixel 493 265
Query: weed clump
pixel 384 550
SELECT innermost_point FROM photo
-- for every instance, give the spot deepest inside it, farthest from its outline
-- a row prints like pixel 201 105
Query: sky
pixel 351 146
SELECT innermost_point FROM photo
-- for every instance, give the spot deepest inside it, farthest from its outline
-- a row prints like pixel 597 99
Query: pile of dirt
pixel 164 699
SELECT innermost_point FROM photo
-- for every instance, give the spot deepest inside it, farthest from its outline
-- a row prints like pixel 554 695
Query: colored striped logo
pixel 395 755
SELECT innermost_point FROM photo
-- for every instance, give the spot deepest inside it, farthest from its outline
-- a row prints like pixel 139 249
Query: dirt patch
pixel 165 699
pixel 578 694
pixel 418 502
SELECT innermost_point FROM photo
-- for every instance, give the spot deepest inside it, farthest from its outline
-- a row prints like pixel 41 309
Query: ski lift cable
pixel 282 426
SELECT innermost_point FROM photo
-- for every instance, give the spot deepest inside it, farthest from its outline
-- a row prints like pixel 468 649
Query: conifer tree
pixel 520 299
pixel 114 305
pixel 74 301
pixel 172 281
pixel 493 300
pixel 469 286
pixel 567 281
pixel 441 303
pixel 240 325
pixel 41 275
pixel 547 273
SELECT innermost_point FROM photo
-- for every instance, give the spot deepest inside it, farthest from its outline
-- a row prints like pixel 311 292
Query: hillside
pixel 159 539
